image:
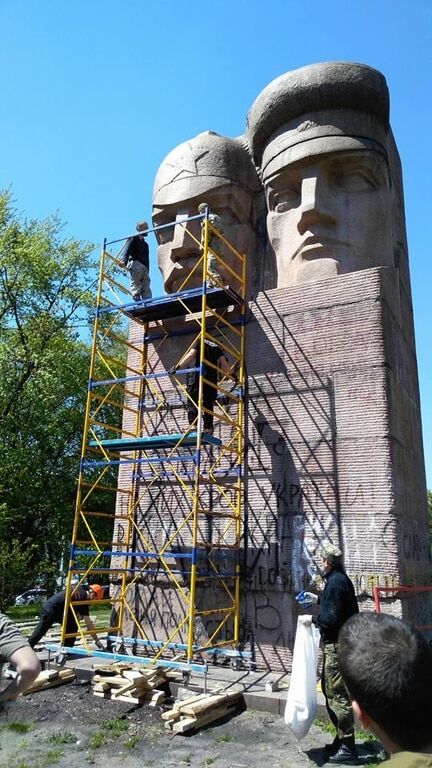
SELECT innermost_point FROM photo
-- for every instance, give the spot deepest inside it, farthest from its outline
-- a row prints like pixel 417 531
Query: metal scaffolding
pixel 159 500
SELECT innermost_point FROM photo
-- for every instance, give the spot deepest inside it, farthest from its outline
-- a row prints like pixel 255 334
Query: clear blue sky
pixel 94 93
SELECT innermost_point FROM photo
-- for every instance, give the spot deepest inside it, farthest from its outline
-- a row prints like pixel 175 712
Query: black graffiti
pixel 288 495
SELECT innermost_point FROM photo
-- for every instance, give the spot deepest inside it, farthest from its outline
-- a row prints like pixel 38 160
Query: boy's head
pixel 387 668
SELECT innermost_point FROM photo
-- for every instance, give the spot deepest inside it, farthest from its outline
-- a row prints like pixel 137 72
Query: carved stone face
pixel 329 214
pixel 208 169
pixel 179 246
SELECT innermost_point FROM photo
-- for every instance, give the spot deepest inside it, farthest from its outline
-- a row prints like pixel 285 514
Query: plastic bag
pixel 301 703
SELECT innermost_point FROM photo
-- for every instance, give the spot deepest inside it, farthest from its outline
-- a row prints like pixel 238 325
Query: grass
pixel 18 727
pixel 328 727
pixel 131 741
pixel 108 729
pixel 224 738
pixel 97 739
pixel 115 726
pixel 23 612
pixel 51 757
pixel 62 738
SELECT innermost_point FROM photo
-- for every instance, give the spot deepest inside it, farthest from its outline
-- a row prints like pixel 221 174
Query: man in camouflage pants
pixel 337 603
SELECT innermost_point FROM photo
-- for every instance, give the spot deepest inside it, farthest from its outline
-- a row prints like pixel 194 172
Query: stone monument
pixel 333 432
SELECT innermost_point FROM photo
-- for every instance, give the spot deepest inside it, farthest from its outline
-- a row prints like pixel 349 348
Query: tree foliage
pixel 44 296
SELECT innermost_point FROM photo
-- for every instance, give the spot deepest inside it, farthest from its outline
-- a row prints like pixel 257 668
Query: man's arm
pixel 223 363
pixel 123 256
pixel 187 361
pixel 27 667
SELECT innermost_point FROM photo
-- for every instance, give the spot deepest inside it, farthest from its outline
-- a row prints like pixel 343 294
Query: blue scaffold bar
pixel 138 377
pixel 165 475
pixel 178 457
pixel 130 553
pixel 155 441
pixel 231 652
pixel 199 669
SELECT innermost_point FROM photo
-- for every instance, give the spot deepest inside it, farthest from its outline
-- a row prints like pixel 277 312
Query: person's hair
pixel 387 668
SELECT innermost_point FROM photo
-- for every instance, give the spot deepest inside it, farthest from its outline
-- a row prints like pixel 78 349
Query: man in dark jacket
pixel 337 603
pixel 53 609
pixel 214 359
pixel 134 256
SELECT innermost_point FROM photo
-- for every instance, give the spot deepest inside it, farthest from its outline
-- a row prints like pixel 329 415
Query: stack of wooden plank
pixel 200 710
pixel 48 678
pixel 125 682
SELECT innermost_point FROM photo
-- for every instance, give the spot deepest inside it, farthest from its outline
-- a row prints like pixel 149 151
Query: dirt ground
pixel 68 726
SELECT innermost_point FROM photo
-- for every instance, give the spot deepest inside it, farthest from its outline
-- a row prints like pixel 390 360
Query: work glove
pixel 307 598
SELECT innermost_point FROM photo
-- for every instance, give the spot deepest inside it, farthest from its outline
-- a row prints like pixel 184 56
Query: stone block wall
pixel 332 451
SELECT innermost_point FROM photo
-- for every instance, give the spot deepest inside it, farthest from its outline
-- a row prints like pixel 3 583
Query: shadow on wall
pixel 291 498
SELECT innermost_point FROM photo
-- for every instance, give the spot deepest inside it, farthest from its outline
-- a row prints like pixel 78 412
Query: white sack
pixel 301 704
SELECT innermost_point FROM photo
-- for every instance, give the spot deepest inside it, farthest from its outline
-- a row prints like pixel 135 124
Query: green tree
pixel 44 297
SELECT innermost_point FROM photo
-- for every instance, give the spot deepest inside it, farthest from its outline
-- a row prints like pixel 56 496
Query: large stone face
pixel 218 171
pixel 321 139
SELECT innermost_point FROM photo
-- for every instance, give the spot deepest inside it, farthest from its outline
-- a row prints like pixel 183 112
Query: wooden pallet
pixel 200 710
pixel 124 682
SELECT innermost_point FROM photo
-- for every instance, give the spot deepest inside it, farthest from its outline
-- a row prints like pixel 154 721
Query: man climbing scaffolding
pixel 214 359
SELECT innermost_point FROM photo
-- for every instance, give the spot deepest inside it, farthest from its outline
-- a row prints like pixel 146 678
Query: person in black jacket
pixel 214 362
pixel 337 603
pixel 134 256
pixel 53 609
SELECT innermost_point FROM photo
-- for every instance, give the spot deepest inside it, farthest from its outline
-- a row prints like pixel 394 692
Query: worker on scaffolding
pixel 214 359
pixel 134 256
pixel 53 610
pixel 214 276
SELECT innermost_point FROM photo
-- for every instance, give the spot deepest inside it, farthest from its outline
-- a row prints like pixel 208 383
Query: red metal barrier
pixel 396 591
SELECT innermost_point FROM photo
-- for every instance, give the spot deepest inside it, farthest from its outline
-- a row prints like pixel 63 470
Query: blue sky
pixel 94 93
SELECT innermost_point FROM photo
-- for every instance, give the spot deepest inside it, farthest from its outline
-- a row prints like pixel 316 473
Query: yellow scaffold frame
pixel 125 374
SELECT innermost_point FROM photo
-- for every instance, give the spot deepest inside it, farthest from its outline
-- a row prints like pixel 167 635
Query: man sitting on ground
pixel 387 668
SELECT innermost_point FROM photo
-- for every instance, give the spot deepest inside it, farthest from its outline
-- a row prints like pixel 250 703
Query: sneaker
pixel 331 749
pixel 346 755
